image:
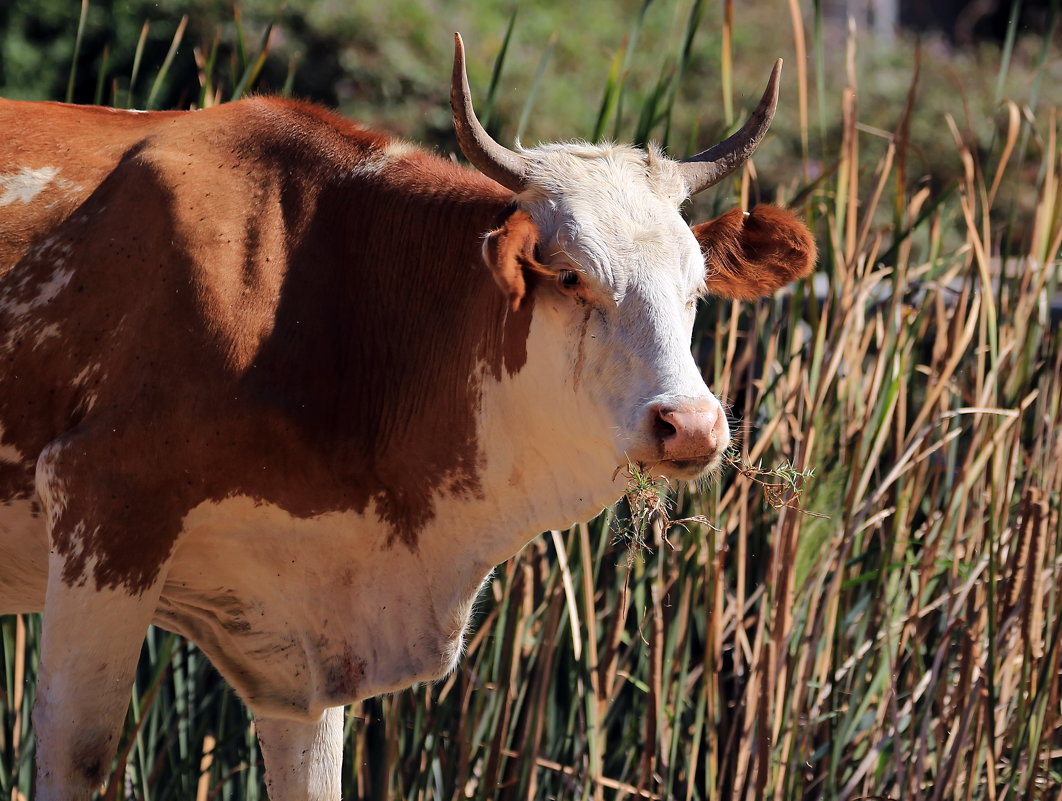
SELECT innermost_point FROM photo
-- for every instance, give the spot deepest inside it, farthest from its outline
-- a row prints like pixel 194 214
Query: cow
pixel 291 388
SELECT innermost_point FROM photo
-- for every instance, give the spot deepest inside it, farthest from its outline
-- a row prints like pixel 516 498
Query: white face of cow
pixel 624 276
pixel 625 273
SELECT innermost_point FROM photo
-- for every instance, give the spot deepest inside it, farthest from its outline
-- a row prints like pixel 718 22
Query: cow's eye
pixel 568 279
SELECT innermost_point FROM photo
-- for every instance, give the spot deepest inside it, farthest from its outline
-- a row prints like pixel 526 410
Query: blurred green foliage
pixel 387 64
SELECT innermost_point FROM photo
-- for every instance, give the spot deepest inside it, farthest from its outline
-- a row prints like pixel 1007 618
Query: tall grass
pixel 894 633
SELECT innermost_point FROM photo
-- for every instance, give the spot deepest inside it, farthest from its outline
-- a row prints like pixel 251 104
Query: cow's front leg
pixel 107 561
pixel 90 645
pixel 303 761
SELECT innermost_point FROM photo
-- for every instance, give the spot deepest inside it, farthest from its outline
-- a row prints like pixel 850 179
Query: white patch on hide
pixel 51 488
pixel 378 160
pixel 300 614
pixel 9 453
pixel 42 335
pixel 399 149
pixel 23 186
pixel 23 323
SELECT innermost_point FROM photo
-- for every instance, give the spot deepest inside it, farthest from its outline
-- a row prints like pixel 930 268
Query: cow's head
pixel 598 238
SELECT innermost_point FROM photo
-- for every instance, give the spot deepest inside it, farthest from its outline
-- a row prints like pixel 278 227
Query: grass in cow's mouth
pixel 647 503
pixel 644 511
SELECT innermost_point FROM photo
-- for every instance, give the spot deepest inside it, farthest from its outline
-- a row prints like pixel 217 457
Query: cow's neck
pixel 475 440
pixel 382 348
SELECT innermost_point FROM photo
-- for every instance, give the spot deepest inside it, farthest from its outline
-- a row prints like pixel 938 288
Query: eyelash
pixel 569 280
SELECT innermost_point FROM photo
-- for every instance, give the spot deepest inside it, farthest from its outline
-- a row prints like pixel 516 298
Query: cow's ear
pixel 751 255
pixel 509 252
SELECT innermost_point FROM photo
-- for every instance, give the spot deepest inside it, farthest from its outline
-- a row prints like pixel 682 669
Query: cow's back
pixel 52 157
pixel 130 242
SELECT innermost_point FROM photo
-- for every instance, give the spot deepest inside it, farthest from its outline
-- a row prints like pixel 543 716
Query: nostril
pixel 662 426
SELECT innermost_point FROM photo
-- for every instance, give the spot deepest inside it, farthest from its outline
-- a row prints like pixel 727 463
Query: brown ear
pixel 509 252
pixel 749 256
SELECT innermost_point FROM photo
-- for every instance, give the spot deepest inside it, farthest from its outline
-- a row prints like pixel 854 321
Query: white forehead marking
pixel 596 171
pixel 614 210
pixel 23 186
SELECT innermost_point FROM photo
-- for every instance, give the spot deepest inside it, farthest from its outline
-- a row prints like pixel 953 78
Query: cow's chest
pixel 303 614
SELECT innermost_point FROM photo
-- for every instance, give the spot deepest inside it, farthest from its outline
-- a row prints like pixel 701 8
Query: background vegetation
pixel 893 632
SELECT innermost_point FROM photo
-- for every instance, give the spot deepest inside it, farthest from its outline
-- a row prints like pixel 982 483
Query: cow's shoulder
pixel 52 158
pixel 259 135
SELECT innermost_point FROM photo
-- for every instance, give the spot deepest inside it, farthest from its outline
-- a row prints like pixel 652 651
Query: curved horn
pixel 716 163
pixel 490 158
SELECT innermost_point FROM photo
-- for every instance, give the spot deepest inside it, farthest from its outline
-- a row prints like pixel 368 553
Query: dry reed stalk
pixel 599 701
pixel 202 789
pixel 19 687
pixel 800 48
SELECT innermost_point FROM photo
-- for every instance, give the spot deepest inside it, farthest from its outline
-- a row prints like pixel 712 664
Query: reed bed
pixel 866 605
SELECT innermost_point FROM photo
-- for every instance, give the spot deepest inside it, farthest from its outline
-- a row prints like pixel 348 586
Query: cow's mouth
pixel 679 468
pixel 689 469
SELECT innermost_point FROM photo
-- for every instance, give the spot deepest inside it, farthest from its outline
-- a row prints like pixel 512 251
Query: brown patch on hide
pixel 750 257
pixel 273 306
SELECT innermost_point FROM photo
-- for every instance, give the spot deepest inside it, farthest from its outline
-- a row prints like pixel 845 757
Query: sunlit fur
pixel 612 213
